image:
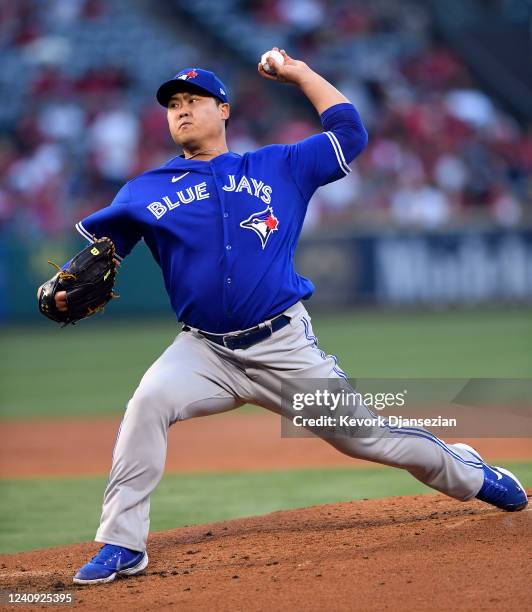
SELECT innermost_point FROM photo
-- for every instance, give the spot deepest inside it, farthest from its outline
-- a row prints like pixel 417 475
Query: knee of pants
pixel 370 449
pixel 208 406
pixel 150 406
pixel 176 396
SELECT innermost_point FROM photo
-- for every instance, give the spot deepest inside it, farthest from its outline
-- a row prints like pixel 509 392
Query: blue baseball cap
pixel 191 79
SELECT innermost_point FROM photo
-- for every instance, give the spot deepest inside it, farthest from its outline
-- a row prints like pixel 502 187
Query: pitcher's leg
pixel 446 468
pixel 441 466
pixel 186 381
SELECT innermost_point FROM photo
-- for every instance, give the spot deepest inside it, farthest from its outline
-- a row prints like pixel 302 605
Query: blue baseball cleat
pixel 110 562
pixel 501 488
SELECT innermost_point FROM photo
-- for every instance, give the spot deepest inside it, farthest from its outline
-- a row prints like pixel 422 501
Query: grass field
pixel 42 513
pixel 94 368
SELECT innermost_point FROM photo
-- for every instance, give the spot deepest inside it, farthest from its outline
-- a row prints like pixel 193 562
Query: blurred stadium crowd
pixel 78 79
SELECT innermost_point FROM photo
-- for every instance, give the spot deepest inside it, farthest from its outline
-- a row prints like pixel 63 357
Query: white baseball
pixel 276 55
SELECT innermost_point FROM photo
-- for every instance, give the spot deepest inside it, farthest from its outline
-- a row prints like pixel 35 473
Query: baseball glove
pixel 88 281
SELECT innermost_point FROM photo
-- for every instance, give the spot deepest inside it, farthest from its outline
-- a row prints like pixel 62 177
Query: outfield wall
pixel 385 268
pixel 420 269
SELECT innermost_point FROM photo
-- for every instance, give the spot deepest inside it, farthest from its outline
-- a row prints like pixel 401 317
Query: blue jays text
pixel 199 192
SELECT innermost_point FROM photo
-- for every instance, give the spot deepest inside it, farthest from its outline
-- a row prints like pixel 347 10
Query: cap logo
pixel 191 74
pixel 222 92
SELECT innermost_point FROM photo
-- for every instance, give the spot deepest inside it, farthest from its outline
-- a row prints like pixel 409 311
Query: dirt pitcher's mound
pixel 408 553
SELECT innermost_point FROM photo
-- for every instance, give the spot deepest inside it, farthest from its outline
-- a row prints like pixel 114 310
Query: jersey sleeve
pixel 324 158
pixel 116 222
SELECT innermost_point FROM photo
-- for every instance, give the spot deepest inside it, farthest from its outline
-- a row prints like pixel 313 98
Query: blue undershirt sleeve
pixel 324 158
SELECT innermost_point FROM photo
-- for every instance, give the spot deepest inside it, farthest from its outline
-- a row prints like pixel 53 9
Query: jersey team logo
pixel 262 223
pixel 191 74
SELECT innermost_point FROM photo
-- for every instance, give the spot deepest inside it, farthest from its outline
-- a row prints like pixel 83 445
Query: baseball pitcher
pixel 224 228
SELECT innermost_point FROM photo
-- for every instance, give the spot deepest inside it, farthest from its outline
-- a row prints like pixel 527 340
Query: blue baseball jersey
pixel 224 231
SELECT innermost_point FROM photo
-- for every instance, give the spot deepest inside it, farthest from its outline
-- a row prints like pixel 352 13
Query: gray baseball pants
pixel 195 377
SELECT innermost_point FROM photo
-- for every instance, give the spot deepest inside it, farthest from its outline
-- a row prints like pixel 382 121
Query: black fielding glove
pixel 88 281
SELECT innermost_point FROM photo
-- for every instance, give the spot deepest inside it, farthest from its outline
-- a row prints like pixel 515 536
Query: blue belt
pixel 247 338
